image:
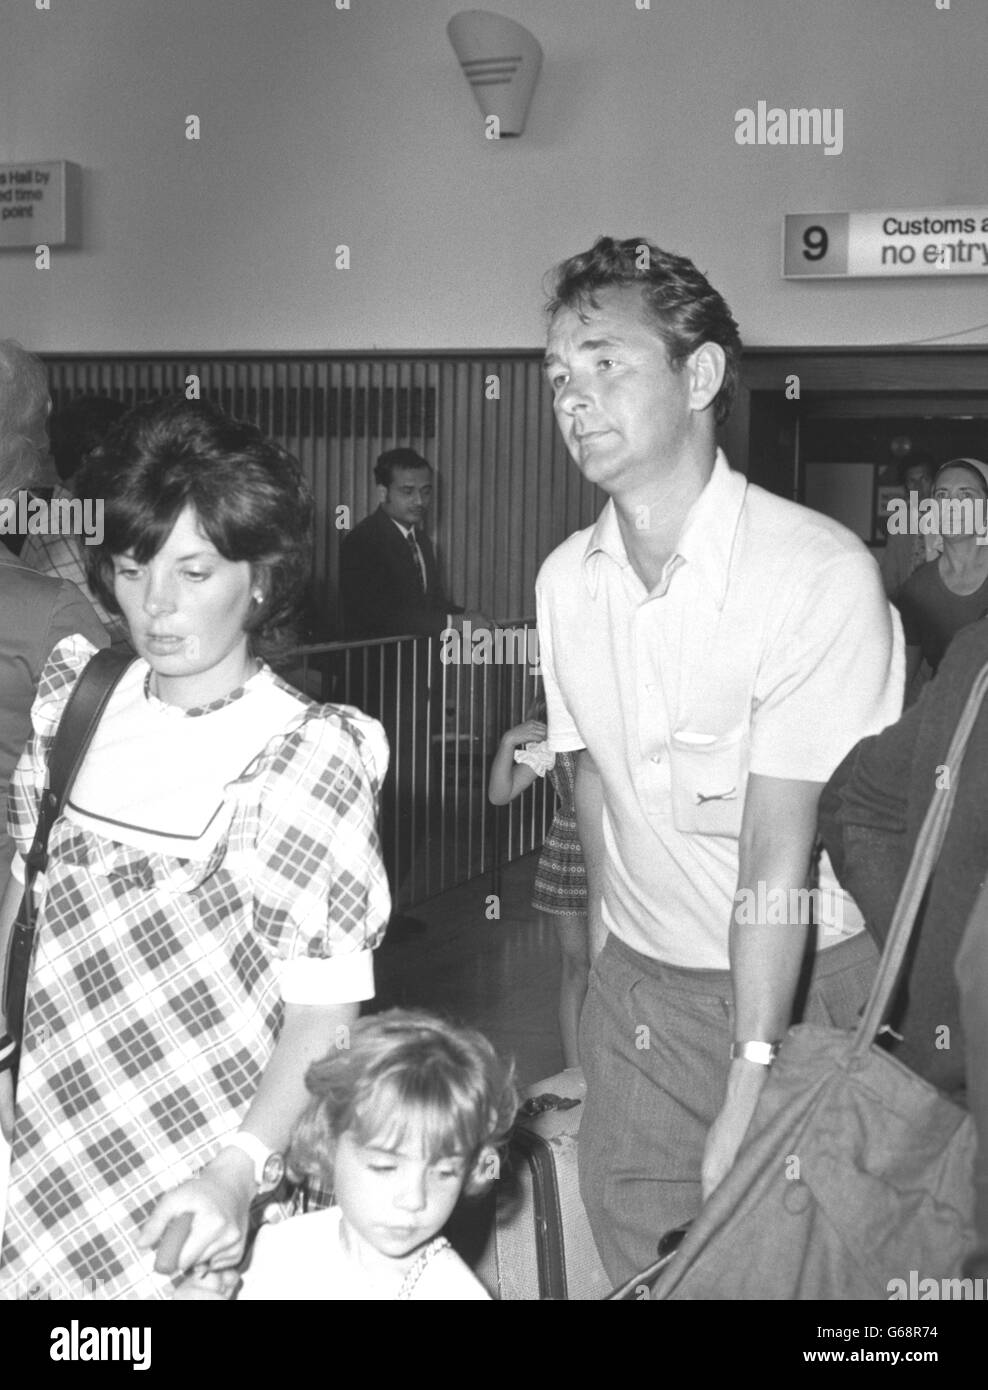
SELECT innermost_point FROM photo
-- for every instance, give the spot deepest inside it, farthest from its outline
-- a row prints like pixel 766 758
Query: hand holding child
pixel 218 1203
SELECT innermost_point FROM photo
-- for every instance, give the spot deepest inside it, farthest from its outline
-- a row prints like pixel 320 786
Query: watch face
pixel 274 1170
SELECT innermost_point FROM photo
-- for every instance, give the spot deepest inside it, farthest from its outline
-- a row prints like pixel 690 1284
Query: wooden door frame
pixel 887 371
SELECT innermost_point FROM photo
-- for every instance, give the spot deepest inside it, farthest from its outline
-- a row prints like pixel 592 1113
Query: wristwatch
pixel 269 1166
pixel 764 1053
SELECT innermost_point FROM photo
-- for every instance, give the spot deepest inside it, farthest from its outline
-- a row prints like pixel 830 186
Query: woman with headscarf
pixel 948 593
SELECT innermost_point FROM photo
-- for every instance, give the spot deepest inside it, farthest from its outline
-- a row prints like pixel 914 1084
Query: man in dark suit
pixel 389 579
pixel 390 587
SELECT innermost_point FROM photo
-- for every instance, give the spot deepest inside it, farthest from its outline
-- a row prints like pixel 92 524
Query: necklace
pixel 421 1264
pixel 415 1270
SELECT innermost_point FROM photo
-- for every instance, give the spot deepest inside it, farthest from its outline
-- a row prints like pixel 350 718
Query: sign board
pixel 885 242
pixel 39 204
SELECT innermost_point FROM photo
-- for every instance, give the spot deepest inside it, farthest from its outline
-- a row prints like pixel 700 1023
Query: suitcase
pixel 531 1237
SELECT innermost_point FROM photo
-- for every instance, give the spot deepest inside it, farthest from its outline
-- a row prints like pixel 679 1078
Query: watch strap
pixel 256 1150
pixel 764 1053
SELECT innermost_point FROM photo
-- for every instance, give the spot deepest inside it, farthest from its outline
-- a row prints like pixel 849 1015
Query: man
pixel 714 651
pixel 905 553
pixel 75 431
pixel 36 612
pixel 390 587
pixel 389 579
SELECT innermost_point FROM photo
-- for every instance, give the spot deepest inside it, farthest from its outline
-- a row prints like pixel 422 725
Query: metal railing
pixel 444 703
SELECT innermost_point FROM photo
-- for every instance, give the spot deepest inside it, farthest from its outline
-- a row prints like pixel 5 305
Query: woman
pixel 214 890
pixel 941 597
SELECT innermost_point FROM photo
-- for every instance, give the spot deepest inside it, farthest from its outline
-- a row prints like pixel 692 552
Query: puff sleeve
pixel 321 892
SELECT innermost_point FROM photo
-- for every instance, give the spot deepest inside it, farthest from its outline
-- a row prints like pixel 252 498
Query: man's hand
pixel 744 1086
pixel 777 833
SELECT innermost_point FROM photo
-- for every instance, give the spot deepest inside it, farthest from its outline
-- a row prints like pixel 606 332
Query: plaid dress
pixel 154 1003
pixel 561 876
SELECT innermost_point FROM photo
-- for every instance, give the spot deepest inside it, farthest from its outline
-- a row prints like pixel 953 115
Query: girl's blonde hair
pixel 407 1075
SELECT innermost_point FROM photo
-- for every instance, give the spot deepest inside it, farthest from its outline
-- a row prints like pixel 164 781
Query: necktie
pixel 417 557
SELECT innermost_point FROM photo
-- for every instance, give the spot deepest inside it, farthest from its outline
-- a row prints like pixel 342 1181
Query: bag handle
pixel 929 842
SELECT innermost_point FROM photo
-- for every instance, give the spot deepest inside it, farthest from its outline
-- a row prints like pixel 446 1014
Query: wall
pixel 323 126
pixel 506 490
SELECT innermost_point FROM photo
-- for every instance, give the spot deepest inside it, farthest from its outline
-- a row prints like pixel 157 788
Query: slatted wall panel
pixel 507 492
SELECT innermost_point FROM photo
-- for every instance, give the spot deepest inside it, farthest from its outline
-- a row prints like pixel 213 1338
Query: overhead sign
pixel 39 204
pixel 924 241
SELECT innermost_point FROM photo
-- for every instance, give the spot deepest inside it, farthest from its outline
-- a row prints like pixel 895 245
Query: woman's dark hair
pixel 247 492
pixel 685 309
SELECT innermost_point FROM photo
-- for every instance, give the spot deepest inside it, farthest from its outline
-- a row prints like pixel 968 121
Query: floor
pixel 500 975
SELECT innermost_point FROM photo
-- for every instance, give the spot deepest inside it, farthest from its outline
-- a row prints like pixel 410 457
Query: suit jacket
pixel 380 585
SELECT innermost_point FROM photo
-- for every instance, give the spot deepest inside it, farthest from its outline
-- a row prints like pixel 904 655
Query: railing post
pixel 386 678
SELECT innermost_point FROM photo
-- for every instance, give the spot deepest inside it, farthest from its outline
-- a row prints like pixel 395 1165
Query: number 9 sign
pixel 814 244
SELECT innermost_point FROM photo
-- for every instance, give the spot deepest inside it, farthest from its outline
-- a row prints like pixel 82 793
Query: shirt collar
pixel 706 540
pixel 406 531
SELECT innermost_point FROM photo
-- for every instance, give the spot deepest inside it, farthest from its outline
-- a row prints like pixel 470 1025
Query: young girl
pixel 403 1119
pixel 561 876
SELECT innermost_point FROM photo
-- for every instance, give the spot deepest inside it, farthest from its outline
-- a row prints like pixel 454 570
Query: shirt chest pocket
pixel 709 772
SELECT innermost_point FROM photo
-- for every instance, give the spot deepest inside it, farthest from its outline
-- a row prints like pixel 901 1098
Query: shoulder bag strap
pixel 75 733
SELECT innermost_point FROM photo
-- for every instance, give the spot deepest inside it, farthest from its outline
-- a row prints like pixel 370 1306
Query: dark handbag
pixel 855 1178
pixel 75 732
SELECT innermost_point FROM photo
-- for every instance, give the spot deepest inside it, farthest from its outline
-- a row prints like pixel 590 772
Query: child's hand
pixel 208 1286
pixel 532 731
